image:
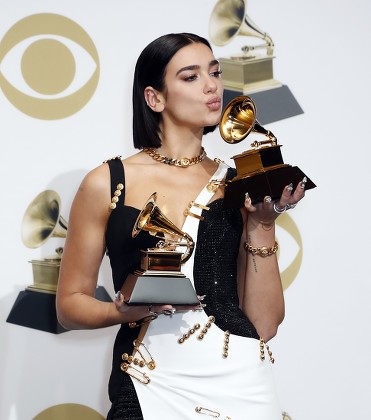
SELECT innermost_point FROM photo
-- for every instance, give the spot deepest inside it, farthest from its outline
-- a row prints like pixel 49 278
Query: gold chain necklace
pixel 182 163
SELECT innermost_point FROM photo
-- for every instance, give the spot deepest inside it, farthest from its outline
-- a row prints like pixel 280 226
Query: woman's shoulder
pixel 95 185
pixel 98 179
pixel 135 159
pixel 100 175
pixel 97 176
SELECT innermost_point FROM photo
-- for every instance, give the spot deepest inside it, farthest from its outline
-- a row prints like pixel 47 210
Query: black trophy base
pixel 272 105
pixel 163 290
pixel 267 183
pixel 255 160
pixel 33 309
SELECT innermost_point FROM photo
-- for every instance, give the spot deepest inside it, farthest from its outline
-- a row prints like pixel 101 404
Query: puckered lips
pixel 214 103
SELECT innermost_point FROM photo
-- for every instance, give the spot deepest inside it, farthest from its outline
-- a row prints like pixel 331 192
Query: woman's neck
pixel 178 145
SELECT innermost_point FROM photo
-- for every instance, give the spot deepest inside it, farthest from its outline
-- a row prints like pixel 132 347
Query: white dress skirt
pixel 195 378
pixel 221 375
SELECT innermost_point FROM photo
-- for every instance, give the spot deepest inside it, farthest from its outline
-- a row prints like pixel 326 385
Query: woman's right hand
pixel 132 313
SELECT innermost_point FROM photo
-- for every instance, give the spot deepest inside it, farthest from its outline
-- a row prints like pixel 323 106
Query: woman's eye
pixel 216 73
pixel 191 78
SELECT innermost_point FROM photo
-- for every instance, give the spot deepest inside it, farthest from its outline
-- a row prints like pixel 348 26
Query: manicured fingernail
pixel 201 298
pixel 303 182
pixel 289 187
pixel 247 199
pixel 268 199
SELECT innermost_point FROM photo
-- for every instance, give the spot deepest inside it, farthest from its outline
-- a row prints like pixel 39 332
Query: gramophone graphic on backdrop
pixel 250 72
pixel 35 306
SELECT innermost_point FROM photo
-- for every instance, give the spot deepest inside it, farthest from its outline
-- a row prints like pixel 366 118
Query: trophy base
pixel 273 103
pixel 242 71
pixel 36 309
pixel 255 160
pixel 166 273
pixel 269 182
pixel 163 290
pixel 162 260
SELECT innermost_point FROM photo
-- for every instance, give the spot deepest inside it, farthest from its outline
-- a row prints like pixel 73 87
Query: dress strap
pixel 206 194
pixel 191 223
pixel 200 203
pixel 117 173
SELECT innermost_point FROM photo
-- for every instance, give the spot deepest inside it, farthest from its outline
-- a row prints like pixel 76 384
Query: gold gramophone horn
pixel 229 19
pixel 42 220
pixel 239 120
pixel 152 220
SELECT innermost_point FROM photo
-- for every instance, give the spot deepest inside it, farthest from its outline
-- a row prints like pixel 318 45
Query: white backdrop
pixel 322 362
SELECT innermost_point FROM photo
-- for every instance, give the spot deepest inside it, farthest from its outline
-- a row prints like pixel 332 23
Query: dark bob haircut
pixel 150 71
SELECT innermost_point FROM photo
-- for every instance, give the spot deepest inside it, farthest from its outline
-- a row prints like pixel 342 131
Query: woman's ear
pixel 154 99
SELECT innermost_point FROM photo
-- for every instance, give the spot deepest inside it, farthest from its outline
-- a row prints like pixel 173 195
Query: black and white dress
pixel 206 363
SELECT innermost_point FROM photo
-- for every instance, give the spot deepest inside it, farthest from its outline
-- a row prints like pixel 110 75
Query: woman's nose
pixel 210 85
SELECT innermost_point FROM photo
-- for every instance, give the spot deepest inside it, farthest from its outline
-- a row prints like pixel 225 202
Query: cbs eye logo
pixel 69 411
pixel 49 66
pixel 291 254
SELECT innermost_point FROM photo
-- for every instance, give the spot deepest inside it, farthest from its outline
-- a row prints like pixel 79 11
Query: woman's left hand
pixel 267 211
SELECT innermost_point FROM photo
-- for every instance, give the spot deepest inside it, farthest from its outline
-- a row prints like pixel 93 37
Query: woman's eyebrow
pixel 193 67
pixel 214 63
pixel 197 67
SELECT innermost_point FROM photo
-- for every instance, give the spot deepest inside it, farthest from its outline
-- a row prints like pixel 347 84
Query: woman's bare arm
pixel 259 280
pixel 85 245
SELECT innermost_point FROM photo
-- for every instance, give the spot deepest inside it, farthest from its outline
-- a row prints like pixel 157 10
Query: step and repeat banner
pixel 66 71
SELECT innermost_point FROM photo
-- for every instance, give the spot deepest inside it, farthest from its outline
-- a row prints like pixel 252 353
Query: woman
pixel 211 359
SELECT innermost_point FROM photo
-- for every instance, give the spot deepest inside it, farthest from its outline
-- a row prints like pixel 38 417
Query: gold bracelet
pixel 262 251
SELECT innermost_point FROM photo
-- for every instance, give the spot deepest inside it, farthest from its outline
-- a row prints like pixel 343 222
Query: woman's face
pixel 193 88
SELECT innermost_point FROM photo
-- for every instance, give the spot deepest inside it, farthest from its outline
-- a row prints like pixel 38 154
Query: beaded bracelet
pixel 262 251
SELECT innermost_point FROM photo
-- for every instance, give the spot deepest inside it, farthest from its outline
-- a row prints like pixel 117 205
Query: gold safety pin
pixel 145 320
pixel 207 412
pixel 151 363
pixel 194 204
pixel 135 373
pixel 200 206
pixel 213 185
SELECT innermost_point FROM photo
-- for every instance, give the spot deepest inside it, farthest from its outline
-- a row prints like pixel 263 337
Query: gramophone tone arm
pixel 253 30
pixel 272 140
pixel 247 48
pixel 190 246
pixel 172 244
pixel 270 44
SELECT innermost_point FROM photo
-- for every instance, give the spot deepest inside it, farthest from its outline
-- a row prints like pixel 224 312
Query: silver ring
pixel 278 209
pixel 169 311
pixel 290 206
